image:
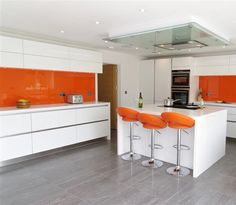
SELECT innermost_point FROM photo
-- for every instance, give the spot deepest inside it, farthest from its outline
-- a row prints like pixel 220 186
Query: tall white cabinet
pixel 155 80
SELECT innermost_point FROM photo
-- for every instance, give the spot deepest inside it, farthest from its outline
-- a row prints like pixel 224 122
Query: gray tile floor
pixel 95 175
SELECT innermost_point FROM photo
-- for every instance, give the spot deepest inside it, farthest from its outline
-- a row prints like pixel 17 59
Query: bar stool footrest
pixel 135 137
pixel 156 146
pixel 182 146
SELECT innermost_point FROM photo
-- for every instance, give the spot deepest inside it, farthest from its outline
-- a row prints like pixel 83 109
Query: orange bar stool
pixel 153 123
pixel 130 116
pixel 179 122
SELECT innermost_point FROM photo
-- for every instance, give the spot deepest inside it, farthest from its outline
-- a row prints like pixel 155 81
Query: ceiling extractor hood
pixel 180 37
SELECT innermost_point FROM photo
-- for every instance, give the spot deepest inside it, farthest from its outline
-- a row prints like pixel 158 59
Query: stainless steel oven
pixel 180 78
pixel 180 94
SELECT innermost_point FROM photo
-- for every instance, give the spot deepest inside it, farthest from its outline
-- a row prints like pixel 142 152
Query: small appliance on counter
pixel 23 103
pixel 75 99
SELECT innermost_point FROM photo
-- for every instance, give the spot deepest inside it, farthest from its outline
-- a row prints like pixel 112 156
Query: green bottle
pixel 140 101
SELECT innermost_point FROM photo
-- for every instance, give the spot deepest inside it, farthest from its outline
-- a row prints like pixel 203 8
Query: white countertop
pixel 48 107
pixel 157 110
pixel 220 104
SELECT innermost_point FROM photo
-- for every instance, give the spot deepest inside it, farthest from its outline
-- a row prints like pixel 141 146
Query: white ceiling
pixel 77 18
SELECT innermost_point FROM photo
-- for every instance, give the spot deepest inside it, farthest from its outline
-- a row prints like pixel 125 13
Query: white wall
pixel 128 76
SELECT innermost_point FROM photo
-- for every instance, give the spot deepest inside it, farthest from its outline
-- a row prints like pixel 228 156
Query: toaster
pixel 75 99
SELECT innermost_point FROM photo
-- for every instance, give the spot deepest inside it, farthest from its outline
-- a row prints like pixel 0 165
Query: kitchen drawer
pixel 53 119
pixel 15 146
pixel 14 124
pixel 92 131
pixel 52 139
pixel 231 117
pixel 92 114
pixel 231 129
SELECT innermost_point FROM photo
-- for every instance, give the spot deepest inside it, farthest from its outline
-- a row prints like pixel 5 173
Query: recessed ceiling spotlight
pixel 111 47
pixel 106 41
pixel 159 53
pixel 162 45
pixel 189 50
pixel 136 48
pixel 97 22
pixel 190 42
pixel 62 31
pixel 171 48
pixel 198 45
pixel 141 10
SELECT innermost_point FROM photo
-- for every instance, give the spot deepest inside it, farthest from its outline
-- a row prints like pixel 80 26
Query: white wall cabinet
pixel 11 60
pixel 146 80
pixel 45 49
pixel 91 131
pixel 53 119
pixel 9 44
pixel 15 146
pixel 19 53
pixel 162 79
pixel 52 139
pixel 185 63
pixel 46 63
pixel 212 65
pixel 232 65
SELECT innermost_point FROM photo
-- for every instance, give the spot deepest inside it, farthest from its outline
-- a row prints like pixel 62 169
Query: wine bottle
pixel 140 100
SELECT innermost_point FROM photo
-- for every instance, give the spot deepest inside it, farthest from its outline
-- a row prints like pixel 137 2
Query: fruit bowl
pixel 22 103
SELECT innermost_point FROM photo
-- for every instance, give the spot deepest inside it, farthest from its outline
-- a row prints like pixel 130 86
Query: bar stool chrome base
pixel 152 163
pixel 182 172
pixel 131 156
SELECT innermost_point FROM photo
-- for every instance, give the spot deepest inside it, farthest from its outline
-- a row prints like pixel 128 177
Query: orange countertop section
pixel 216 88
pixel 43 87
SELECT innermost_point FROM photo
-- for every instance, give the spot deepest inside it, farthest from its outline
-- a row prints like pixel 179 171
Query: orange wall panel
pixel 218 88
pixel 43 87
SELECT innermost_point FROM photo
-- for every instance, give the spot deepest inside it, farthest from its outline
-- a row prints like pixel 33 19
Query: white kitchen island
pixel 207 139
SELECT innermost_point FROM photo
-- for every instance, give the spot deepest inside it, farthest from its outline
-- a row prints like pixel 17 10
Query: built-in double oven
pixel 180 86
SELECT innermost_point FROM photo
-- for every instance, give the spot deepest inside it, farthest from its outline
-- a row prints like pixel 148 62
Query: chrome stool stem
pixel 131 155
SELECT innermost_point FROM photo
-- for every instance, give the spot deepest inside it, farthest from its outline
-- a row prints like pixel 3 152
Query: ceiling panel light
pixel 141 10
pixel 62 31
pixel 111 47
pixel 136 48
pixel 97 22
pixel 106 41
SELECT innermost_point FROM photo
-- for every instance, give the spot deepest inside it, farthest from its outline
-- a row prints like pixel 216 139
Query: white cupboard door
pixel 186 63
pixel 231 129
pixel 10 44
pixel 15 146
pixel 11 60
pixel 232 65
pixel 53 119
pixel 92 131
pixel 14 124
pixel 92 114
pixel 146 81
pixel 45 63
pixel 45 49
pixel 87 67
pixel 85 55
pixel 162 79
pixel 52 139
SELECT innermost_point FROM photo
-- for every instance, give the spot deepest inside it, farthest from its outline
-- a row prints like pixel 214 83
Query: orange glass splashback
pixel 216 88
pixel 43 87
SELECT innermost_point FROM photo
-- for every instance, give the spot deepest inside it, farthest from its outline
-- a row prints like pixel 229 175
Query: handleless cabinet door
pixel 52 139
pixel 11 60
pixel 10 44
pixel 186 63
pixel 83 66
pixel 53 119
pixel 92 114
pixel 14 124
pixel 92 131
pixel 85 55
pixel 15 146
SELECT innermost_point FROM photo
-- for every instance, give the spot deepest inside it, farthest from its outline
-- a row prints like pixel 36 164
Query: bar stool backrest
pixel 127 114
pixel 178 121
pixel 151 121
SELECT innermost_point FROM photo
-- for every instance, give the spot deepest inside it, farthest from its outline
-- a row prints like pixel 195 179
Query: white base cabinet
pixel 51 139
pixel 15 146
pixel 92 131
pixel 34 132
